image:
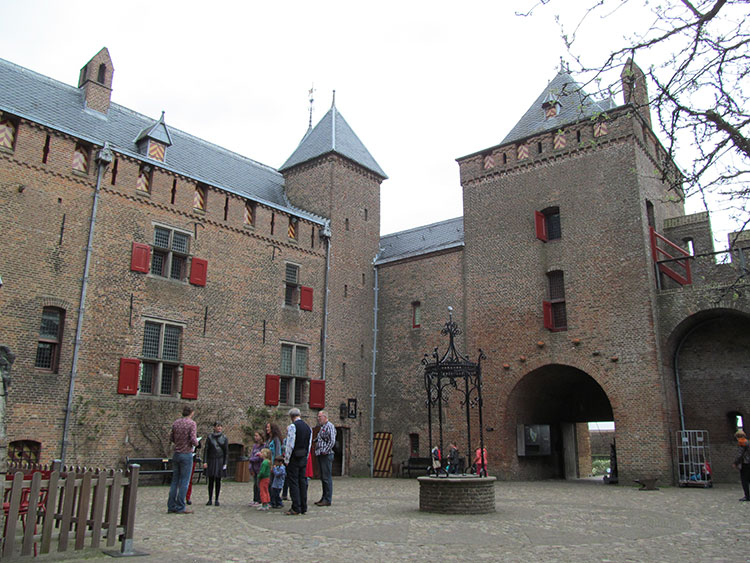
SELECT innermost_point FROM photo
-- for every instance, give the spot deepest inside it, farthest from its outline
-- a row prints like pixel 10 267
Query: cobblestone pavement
pixel 379 520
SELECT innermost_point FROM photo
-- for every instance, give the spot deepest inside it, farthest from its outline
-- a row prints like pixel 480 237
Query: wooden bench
pixel 421 465
pixel 160 466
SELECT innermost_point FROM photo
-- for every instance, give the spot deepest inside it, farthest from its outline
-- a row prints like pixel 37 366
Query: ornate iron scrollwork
pixel 453 373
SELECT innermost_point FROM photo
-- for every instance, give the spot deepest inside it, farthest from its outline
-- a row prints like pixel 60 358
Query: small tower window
pixel 8 130
pixel 416 314
pixel 293 228
pixel 102 74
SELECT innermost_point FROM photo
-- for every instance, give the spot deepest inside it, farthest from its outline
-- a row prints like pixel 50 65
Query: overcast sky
pixel 421 83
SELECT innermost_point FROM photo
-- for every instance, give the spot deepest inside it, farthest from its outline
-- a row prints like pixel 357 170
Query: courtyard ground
pixel 379 520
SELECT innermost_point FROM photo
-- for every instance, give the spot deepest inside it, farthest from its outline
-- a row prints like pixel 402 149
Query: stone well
pixel 459 494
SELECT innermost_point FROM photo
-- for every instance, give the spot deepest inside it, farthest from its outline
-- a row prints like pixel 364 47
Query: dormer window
pixel 550 109
pixel 156 150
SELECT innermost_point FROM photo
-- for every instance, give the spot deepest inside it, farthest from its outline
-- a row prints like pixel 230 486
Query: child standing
pixel 279 476
pixel 264 478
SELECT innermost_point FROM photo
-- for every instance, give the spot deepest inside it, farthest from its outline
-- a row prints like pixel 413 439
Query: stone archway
pixel 556 400
pixel 710 364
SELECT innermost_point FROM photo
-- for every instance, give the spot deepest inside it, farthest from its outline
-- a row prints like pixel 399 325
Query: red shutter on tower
pixel 130 369
pixel 541 225
pixel 305 298
pixel 190 382
pixel 549 319
pixel 198 271
pixel 273 383
pixel 317 393
pixel 139 257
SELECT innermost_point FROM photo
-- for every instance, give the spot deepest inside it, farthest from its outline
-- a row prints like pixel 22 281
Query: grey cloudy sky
pixel 421 83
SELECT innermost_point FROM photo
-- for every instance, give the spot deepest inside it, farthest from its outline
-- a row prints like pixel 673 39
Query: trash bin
pixel 242 471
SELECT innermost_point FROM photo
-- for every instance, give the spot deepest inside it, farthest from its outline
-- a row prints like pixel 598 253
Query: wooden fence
pixel 57 508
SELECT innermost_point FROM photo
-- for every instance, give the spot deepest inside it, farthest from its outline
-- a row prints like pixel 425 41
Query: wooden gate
pixel 382 460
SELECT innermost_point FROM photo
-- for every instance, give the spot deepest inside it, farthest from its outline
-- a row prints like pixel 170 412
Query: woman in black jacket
pixel 215 461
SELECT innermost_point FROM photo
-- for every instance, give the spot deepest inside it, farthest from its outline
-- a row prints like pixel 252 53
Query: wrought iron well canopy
pixel 454 374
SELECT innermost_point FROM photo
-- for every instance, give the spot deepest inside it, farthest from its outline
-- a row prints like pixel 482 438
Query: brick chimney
pixel 96 81
pixel 634 89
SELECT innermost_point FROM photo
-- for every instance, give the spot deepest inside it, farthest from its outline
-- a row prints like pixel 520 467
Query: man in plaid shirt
pixel 324 452
pixel 184 437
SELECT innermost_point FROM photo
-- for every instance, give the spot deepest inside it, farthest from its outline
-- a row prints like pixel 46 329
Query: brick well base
pixel 457 495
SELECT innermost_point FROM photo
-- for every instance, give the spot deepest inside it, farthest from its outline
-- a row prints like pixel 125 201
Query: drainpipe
pixel 325 233
pixel 103 158
pixel 372 372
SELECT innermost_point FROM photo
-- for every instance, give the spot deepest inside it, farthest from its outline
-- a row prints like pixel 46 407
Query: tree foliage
pixel 696 58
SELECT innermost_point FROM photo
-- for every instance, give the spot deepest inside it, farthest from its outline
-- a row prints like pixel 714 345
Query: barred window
pixel 293 381
pixel 160 354
pixel 170 253
pixel 50 339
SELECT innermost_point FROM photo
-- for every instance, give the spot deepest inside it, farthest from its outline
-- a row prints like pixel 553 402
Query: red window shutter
pixel 317 393
pixel 273 382
pixel 130 370
pixel 139 257
pixel 549 319
pixel 198 271
pixel 190 382
pixel 305 298
pixel 540 222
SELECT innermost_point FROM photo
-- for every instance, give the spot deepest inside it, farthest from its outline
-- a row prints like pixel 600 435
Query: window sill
pixel 249 227
pixel 152 397
pixel 143 193
pixel 6 150
pixel 172 280
pixel 199 211
pixel 80 173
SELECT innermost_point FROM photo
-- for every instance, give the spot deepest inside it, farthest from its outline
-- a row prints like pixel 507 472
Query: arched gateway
pixel 550 408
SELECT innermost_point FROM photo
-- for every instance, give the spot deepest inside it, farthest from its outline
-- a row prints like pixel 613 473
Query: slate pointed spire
pixel 332 134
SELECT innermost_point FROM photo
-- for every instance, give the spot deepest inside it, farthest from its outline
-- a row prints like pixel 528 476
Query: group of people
pixel 277 464
pixel 455 463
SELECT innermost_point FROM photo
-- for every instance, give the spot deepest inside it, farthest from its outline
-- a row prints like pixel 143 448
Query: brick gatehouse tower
pixel 551 272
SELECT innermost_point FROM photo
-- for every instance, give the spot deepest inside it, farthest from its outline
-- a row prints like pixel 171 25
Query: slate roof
pixel 333 134
pixel 575 105
pixel 421 240
pixel 60 106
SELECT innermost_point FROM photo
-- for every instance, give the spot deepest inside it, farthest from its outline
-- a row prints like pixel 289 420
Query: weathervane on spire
pixel 333 102
pixel 311 93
